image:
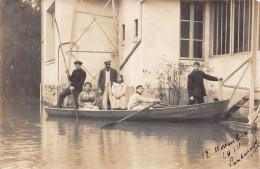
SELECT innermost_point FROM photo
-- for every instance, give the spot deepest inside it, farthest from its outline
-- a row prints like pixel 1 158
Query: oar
pixel 167 105
pixel 116 122
pixel 75 111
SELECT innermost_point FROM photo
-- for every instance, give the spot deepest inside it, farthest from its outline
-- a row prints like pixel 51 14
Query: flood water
pixel 29 140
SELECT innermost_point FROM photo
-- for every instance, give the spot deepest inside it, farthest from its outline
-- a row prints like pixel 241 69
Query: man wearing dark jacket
pixel 77 79
pixel 106 78
pixel 196 88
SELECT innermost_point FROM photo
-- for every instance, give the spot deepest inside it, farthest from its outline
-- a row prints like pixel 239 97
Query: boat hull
pixel 206 111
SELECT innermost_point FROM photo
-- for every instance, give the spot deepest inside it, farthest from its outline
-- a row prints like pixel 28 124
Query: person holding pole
pixel 77 80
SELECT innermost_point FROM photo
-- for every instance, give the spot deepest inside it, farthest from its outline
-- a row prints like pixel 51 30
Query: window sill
pixel 52 61
pixel 198 59
pixel 243 53
pixel 123 43
pixel 135 39
pixel 228 55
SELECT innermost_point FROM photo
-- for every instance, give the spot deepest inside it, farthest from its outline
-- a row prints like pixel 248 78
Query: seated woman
pixel 87 98
pixel 119 94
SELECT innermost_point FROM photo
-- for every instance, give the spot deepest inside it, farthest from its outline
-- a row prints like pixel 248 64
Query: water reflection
pixel 30 141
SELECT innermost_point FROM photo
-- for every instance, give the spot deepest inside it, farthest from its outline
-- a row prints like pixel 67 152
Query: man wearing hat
pixel 106 78
pixel 77 79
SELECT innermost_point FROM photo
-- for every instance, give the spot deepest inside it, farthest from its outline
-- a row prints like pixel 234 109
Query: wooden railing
pixel 222 83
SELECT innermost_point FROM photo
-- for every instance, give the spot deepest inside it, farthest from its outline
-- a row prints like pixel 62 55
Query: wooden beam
pixel 89 13
pixel 72 31
pixel 88 51
pixel 254 49
pixel 232 86
pixel 236 87
pixel 112 43
pixel 236 70
pixel 92 20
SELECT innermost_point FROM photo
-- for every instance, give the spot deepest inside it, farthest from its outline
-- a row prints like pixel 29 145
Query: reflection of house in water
pixel 139 34
pixel 136 145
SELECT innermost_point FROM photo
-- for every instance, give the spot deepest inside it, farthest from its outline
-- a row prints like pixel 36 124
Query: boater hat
pixel 107 60
pixel 78 62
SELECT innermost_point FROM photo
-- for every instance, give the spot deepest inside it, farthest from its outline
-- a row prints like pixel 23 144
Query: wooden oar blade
pixel 109 125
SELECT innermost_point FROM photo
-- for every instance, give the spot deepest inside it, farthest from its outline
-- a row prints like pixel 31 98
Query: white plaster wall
pixel 161 30
pixel 160 37
pixel 93 40
pixel 129 10
pixel 50 69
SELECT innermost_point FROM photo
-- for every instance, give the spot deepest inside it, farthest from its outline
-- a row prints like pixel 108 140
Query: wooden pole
pixel 72 31
pixel 1 66
pixel 254 52
pixel 227 78
pixel 237 85
pixel 220 90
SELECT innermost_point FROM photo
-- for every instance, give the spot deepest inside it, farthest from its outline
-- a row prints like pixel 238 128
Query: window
pixel 232 26
pixel 136 28
pixel 242 25
pixel 222 12
pixel 50 33
pixel 192 18
pixel 123 32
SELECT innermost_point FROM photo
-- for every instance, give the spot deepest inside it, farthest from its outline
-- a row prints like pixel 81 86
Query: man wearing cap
pixel 196 88
pixel 106 78
pixel 136 100
pixel 77 79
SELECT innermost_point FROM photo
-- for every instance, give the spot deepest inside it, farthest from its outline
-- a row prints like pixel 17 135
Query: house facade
pixel 139 35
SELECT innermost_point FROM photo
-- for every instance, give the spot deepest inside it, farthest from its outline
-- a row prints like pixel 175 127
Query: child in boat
pixel 119 94
pixel 136 100
pixel 87 98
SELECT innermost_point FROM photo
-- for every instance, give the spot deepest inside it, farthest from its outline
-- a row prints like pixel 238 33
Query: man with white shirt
pixel 106 78
pixel 136 100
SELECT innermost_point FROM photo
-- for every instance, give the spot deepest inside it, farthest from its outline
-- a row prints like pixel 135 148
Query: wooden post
pixel 1 67
pixel 72 31
pixel 220 90
pixel 254 52
pixel 240 79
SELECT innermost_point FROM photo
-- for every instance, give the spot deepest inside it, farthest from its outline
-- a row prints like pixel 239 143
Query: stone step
pixel 237 124
pixel 256 98
pixel 239 118
pixel 245 106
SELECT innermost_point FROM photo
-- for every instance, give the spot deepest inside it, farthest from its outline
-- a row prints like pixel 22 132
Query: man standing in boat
pixel 196 88
pixel 106 78
pixel 136 100
pixel 77 79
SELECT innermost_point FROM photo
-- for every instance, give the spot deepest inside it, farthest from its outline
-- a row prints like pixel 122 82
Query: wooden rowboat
pixel 206 111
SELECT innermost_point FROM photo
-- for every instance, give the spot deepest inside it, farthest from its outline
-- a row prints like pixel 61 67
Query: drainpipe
pixel 139 37
pixel 42 62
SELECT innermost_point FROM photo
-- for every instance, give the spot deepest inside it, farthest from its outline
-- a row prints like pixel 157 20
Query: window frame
pixel 191 33
pixel 136 34
pixel 232 30
pixel 123 32
pixel 50 47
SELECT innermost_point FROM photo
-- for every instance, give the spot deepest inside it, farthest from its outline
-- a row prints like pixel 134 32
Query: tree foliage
pixel 21 46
